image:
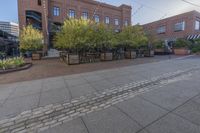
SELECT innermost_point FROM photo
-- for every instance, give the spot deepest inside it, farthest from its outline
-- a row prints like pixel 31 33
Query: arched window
pixel 34 18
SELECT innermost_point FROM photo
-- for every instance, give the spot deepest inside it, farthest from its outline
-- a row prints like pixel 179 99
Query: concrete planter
pixel 36 56
pixel 130 54
pixel 73 59
pixel 181 51
pixel 107 56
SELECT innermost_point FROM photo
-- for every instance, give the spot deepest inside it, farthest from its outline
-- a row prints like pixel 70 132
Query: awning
pixel 193 37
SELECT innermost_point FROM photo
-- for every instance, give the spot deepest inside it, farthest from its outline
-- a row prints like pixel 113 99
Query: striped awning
pixel 192 37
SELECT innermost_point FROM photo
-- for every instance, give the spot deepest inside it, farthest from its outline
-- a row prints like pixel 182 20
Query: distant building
pixel 49 15
pixel 10 28
pixel 186 25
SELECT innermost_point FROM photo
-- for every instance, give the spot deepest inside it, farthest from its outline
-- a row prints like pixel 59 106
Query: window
pixel 107 20
pixel 85 15
pixel 96 18
pixel 126 22
pixel 161 30
pixel 56 11
pixel 39 2
pixel 116 21
pixel 72 13
pixel 179 26
pixel 197 25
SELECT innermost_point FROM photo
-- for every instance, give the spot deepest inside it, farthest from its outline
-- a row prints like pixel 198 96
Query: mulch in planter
pixel 23 67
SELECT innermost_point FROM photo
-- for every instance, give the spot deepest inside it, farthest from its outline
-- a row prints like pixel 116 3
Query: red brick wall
pixel 189 18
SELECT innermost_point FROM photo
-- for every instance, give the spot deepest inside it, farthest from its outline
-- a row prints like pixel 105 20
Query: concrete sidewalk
pixel 172 107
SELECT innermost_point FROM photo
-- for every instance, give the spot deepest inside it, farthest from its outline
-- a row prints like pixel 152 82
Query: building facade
pixel 186 25
pixel 48 15
pixel 10 28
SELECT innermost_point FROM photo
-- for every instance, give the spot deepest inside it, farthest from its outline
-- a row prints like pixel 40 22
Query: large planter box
pixel 159 50
pixel 149 53
pixel 181 51
pixel 36 56
pixel 73 59
pixel 130 54
pixel 107 56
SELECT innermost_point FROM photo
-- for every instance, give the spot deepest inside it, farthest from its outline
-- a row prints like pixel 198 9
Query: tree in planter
pixel 102 37
pixel 75 35
pixel 159 44
pixel 103 40
pixel 132 37
pixel 31 39
pixel 181 47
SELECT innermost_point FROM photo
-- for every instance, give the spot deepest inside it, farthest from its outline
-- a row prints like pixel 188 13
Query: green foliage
pixel 132 36
pixel 196 46
pixel 31 39
pixel 103 37
pixel 159 44
pixel 75 34
pixel 11 63
pixel 182 43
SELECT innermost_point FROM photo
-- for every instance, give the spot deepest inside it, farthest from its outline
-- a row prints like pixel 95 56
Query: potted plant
pixel 131 37
pixel 196 47
pixel 159 47
pixel 74 36
pixel 130 50
pixel 181 47
pixel 31 39
pixel 106 55
pixel 103 39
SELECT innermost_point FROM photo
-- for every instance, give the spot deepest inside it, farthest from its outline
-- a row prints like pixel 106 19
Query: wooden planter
pixel 73 59
pixel 107 56
pixel 149 53
pixel 181 51
pixel 160 50
pixel 36 56
pixel 130 54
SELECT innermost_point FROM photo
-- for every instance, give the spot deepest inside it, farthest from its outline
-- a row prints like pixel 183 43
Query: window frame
pixel 107 20
pixel 126 22
pixel 97 17
pixel 116 20
pixel 178 24
pixel 71 11
pixel 196 25
pixel 161 29
pixel 85 14
pixel 39 2
pixel 56 11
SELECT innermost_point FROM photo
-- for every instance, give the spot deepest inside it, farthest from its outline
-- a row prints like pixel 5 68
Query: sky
pixel 144 11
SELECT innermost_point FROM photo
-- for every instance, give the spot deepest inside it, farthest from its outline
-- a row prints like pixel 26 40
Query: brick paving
pixel 54 67
pixel 49 116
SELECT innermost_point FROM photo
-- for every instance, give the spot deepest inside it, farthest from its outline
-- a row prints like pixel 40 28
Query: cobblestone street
pixel 158 97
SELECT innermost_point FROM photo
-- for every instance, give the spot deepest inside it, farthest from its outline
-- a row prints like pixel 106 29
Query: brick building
pixel 186 25
pixel 48 15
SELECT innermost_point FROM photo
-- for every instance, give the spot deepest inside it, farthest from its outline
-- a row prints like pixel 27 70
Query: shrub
pixel 31 39
pixel 132 37
pixel 182 43
pixel 196 46
pixel 75 34
pixel 159 44
pixel 11 63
